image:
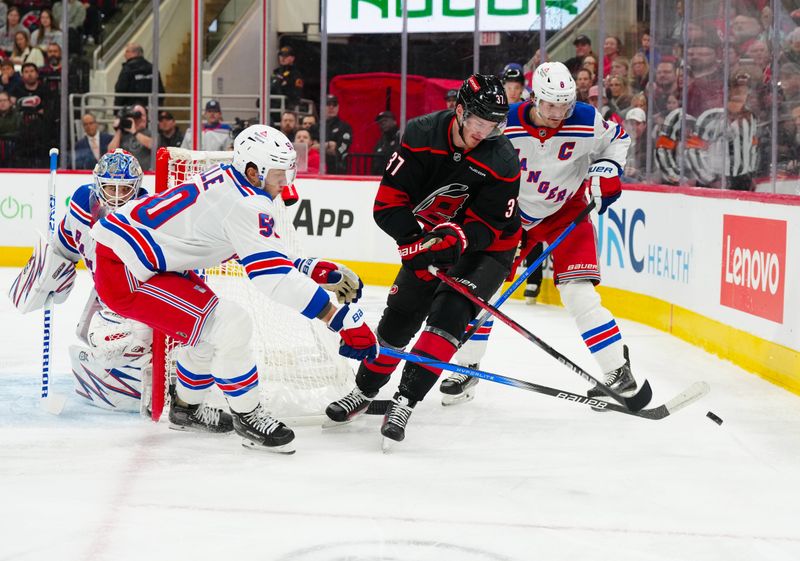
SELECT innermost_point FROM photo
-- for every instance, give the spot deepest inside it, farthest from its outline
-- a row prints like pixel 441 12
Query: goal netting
pixel 300 370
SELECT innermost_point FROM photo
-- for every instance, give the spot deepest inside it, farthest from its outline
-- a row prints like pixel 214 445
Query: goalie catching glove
pixel 333 277
pixel 358 340
pixel 45 273
pixel 441 247
pixel 603 184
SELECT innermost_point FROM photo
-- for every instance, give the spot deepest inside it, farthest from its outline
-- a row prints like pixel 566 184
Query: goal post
pixel 300 370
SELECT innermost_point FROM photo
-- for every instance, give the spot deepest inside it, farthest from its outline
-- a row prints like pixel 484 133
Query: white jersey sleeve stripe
pixel 266 263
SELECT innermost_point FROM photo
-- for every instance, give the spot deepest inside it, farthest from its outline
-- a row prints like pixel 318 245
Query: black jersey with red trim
pixel 429 181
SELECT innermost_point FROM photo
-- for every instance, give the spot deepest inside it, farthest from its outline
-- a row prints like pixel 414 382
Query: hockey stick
pixel 688 396
pixel 529 271
pixel 634 402
pixel 50 402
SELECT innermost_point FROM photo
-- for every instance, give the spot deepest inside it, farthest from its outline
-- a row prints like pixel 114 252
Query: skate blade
pixel 530 301
pixel 387 444
pixel 283 449
pixel 331 424
pixel 195 429
pixel 448 400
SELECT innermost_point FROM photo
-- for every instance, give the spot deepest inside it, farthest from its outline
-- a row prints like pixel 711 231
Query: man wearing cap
pixel 450 99
pixel 286 80
pixel 635 125
pixel 387 144
pixel 583 48
pixel 216 134
pixel 338 137
pixel 169 134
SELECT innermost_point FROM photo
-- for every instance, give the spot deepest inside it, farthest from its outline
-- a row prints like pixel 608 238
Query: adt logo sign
pixel 623 241
pixel 753 265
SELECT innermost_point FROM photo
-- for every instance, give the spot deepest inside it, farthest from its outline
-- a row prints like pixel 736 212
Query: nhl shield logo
pixel 542 133
pixel 457 156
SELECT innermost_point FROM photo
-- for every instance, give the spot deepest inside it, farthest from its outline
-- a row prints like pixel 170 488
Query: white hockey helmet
pixel 552 82
pixel 266 148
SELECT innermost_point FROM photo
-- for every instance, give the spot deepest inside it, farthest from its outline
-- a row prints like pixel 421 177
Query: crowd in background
pixel 726 127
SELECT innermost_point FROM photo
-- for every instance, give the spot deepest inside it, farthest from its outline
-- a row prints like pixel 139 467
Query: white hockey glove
pixel 118 341
pixel 603 184
pixel 333 277
pixel 46 272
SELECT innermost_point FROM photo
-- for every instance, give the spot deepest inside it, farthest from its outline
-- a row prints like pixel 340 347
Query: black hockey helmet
pixel 483 95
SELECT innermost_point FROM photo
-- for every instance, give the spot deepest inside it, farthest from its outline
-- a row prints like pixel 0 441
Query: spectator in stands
pixel 705 87
pixel 3 17
pixel 758 52
pixel 640 73
pixel 304 137
pixel 790 83
pixel 288 124
pixel 583 48
pixel 76 14
pixel 639 100
pixel 309 121
pixel 10 121
pixel 666 84
pixel 93 24
pixel 620 67
pixel 131 134
pixel 612 48
pixel 23 52
pixel 644 45
pixel 12 26
pixel 619 95
pixel 286 79
pixel 514 83
pixel 594 96
pixel 635 125
pixel 8 76
pixel 387 143
pixel 89 148
pixel 50 72
pixel 450 99
pixel 216 134
pixel 792 52
pixel 135 77
pixel 583 81
pixel 745 28
pixel 590 64
pixel 338 136
pixel 169 134
pixel 48 31
pixel 32 101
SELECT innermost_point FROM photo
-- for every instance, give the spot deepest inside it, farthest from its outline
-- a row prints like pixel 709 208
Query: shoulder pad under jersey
pixel 584 114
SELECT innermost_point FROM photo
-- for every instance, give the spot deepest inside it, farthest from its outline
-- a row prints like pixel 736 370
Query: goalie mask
pixel 553 84
pixel 117 178
pixel 267 149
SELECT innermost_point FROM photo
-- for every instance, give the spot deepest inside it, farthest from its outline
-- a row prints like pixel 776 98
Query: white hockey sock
pixel 596 324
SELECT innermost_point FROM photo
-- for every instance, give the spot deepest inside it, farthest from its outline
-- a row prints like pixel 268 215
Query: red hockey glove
pixel 358 340
pixel 334 277
pixel 290 195
pixel 603 184
pixel 441 247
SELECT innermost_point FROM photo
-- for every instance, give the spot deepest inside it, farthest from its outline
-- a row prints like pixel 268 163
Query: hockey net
pixel 300 370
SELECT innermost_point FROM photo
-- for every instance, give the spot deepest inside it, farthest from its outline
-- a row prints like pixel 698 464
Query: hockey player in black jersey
pixel 448 197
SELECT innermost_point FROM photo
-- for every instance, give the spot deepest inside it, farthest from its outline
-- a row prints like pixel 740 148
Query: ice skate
pixel 395 420
pixel 620 380
pixel 345 410
pixel 260 431
pixel 458 388
pixel 531 294
pixel 198 418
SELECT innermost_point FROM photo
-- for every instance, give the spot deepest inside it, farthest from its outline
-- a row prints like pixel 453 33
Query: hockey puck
pixel 714 418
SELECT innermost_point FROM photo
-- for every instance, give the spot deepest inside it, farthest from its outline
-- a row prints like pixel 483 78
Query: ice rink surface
pixel 513 475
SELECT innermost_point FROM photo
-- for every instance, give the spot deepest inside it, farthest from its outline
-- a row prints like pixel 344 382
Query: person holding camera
pixel 131 134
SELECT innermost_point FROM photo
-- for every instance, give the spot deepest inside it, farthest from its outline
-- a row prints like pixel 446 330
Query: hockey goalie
pixel 110 366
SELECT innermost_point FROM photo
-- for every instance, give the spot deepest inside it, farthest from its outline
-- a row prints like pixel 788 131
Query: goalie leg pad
pixel 116 340
pixel 596 324
pixel 233 365
pixel 115 388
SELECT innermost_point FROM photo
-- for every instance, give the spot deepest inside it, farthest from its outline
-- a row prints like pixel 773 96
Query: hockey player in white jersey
pixel 147 249
pixel 567 152
pixel 109 373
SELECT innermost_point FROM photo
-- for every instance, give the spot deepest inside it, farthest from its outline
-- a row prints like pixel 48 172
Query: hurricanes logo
pixel 443 204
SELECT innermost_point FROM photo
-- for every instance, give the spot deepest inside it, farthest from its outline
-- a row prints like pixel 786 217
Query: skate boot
pixel 620 380
pixel 260 431
pixel 458 388
pixel 198 418
pixel 531 293
pixel 346 409
pixel 395 420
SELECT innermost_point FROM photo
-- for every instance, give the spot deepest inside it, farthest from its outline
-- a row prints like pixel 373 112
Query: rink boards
pixel 710 267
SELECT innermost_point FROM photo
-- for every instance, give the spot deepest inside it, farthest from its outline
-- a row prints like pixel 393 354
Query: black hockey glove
pixel 442 247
